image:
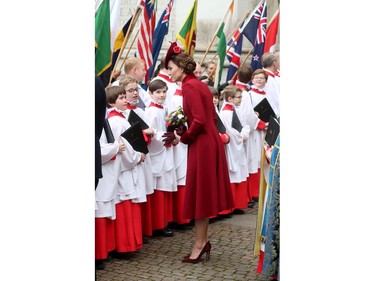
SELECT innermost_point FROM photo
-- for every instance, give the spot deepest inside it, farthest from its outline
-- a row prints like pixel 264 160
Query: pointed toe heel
pixel 206 249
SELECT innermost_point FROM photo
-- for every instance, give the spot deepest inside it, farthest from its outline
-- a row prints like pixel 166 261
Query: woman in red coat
pixel 207 180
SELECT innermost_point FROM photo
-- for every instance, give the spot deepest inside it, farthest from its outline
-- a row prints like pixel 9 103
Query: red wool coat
pixel 208 188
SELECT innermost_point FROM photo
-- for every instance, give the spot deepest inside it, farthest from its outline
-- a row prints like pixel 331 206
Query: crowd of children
pixel 142 194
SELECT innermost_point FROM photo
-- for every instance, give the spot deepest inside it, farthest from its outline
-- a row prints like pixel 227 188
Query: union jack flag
pixel 256 60
pixel 168 10
pixel 262 25
pixel 254 29
pixel 234 49
pixel 146 32
pixel 250 26
pixel 160 31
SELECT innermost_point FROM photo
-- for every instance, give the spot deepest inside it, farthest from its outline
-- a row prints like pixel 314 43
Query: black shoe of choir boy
pixel 122 255
pixel 178 226
pixel 99 265
pixel 238 212
pixel 166 232
pixel 224 216
pixel 184 226
pixel 251 204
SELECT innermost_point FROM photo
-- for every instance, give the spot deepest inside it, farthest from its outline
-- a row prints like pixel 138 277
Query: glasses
pixel 132 90
pixel 239 97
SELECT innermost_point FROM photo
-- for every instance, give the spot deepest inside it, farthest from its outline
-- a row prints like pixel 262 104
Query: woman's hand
pixel 168 138
pixel 177 138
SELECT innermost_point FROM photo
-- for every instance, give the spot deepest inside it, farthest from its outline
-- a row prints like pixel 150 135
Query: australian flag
pixel 161 30
pixel 254 29
pixel 234 54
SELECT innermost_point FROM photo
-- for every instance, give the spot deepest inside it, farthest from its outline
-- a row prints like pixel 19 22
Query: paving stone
pixel 232 257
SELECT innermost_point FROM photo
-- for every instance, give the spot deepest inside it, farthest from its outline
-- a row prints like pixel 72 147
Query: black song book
pixel 236 123
pixel 134 136
pixel 134 117
pixel 220 126
pixel 265 110
pixel 108 131
pixel 273 131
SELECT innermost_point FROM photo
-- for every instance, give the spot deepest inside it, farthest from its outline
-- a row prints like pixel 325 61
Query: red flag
pixel 271 34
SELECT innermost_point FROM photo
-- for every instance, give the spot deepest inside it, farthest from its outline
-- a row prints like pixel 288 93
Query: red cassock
pixel 208 188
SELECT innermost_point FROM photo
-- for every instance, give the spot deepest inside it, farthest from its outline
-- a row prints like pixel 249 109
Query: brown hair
pixel 130 63
pixel 230 91
pixel 184 61
pixel 126 81
pixel 112 93
pixel 214 91
pixel 268 59
pixel 157 84
pixel 259 71
pixel 245 73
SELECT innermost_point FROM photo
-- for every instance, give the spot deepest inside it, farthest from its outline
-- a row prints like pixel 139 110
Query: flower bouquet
pixel 176 120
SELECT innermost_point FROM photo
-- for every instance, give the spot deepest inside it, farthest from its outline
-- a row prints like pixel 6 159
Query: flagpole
pixel 129 31
pixel 247 56
pixel 234 30
pixel 230 46
pixel 239 24
pixel 213 39
pixel 243 62
pixel 248 14
pixel 209 47
pixel 273 18
pixel 131 45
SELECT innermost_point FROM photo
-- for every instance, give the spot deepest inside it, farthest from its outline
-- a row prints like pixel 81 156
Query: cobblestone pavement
pixel 232 257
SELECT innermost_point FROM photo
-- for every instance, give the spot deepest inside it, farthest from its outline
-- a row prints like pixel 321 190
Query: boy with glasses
pixel 238 132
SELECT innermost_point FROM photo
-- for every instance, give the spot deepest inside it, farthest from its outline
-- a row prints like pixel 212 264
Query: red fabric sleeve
pixel 147 138
pixel 224 138
pixel 261 125
pixel 186 139
pixel 195 104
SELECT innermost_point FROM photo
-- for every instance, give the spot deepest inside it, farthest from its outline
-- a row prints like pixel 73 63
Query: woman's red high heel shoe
pixel 206 249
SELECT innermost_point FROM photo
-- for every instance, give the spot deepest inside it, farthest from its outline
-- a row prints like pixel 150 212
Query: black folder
pixel 108 131
pixel 273 131
pixel 134 117
pixel 265 110
pixel 134 136
pixel 236 123
pixel 220 126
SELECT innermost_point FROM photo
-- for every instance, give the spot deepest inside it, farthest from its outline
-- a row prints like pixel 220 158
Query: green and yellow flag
pixel 103 42
pixel 188 31
pixel 222 34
